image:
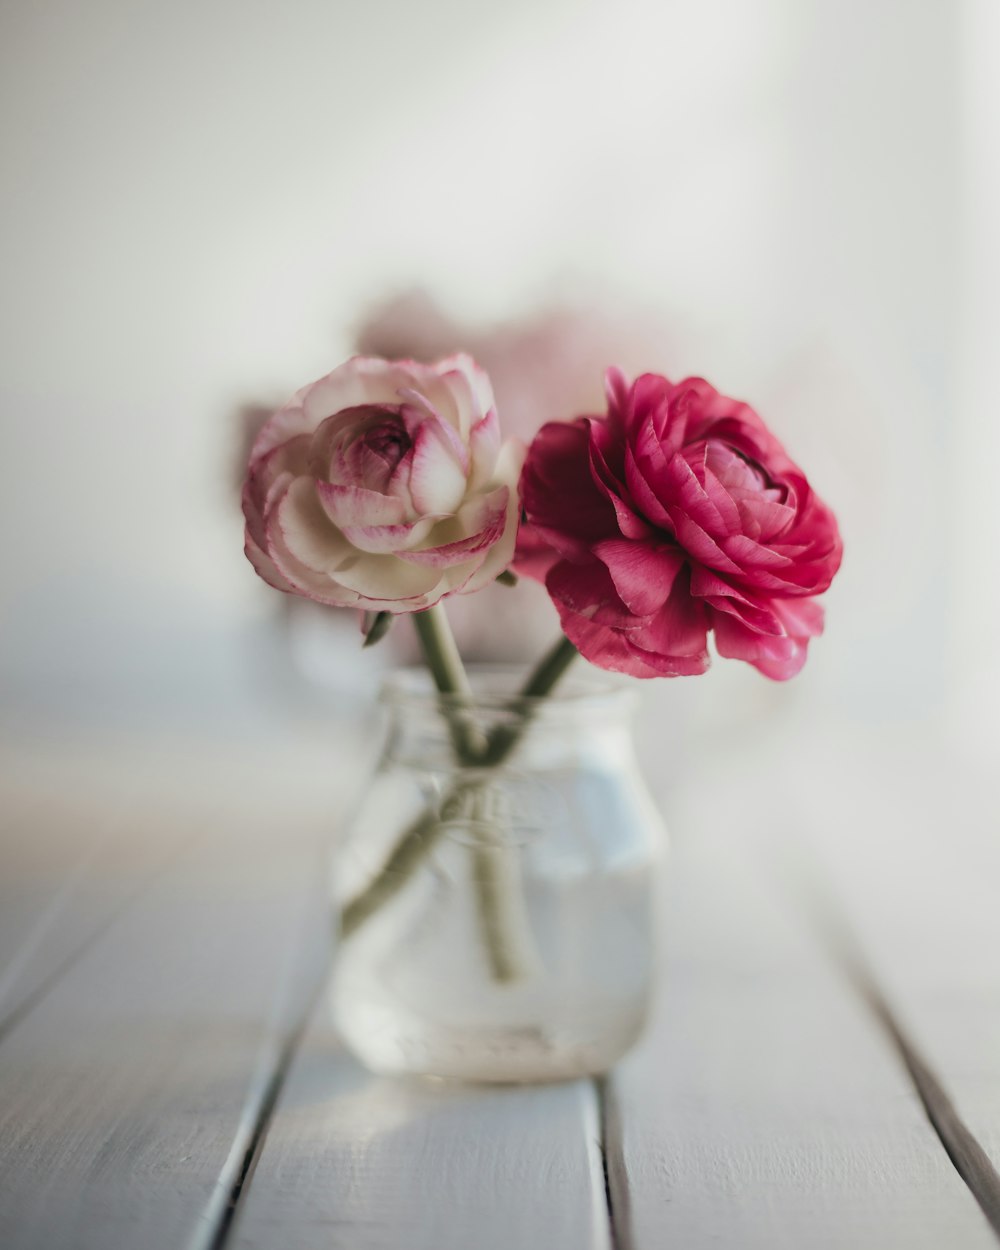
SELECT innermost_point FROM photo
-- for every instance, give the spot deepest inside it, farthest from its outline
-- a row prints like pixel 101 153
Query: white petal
pixel 484 445
pixel 470 385
pixel 286 424
pixel 437 483
pixel 387 578
pixel 388 539
pixel 306 532
pixel 353 505
pixel 499 556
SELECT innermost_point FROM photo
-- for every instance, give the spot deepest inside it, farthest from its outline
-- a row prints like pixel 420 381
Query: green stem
pixel 421 836
pixel 445 663
pixel 541 681
pixel 494 873
pixel 549 669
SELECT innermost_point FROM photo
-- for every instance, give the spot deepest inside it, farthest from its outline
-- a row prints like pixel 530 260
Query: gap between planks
pixel 613 1164
pixel 959 1143
pixel 251 1134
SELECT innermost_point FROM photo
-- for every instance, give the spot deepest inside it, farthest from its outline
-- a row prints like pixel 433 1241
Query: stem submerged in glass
pixel 498 891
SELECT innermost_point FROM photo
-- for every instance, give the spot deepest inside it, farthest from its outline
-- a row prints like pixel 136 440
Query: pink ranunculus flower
pixel 384 486
pixel 676 514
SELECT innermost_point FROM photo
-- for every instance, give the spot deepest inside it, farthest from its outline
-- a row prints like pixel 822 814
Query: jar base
pixel 513 1055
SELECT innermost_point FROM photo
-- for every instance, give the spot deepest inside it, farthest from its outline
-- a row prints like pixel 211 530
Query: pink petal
pixel 778 658
pixel 723 502
pixel 678 630
pixel 558 488
pixel 756 615
pixel 330 433
pixel 801 618
pixel 533 556
pixel 756 555
pixel 643 574
pixel 698 408
pixel 588 590
pixel 601 441
pixel 643 495
pixel 764 519
pixel 699 545
pixel 615 653
pixel 694 499
pixel 616 388
pixel 602 646
pixel 355 506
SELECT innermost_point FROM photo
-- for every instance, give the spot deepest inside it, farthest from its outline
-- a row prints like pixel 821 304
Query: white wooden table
pixel 169 1078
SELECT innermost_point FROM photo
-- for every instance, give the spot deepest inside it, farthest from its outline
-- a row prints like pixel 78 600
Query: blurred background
pixel 207 205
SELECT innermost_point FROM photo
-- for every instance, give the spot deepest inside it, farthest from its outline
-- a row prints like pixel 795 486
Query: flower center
pixel 738 474
pixel 377 449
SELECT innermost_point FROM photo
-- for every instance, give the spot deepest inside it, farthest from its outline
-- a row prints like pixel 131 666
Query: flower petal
pixel 437 482
pixel 588 590
pixel 265 567
pixel 534 555
pixel 678 630
pixel 290 421
pixel 387 578
pixel 500 555
pixel 629 522
pixel 700 545
pixel 388 539
pixel 643 573
pixel 647 504
pixel 778 658
pixel 755 612
pixel 558 489
pixel 305 531
pixel 453 542
pixel 484 446
pixel 353 505
pixel 469 386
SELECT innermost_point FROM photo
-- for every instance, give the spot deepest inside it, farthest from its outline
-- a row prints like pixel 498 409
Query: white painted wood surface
pixel 352 1160
pixel 766 1107
pixel 162 956
pixel 76 849
pixel 921 899
pixel 129 1092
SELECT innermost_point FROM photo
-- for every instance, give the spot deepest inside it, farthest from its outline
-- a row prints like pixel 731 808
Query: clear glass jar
pixel 497 919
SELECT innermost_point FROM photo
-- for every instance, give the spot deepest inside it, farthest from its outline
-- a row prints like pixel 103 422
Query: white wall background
pixel 201 199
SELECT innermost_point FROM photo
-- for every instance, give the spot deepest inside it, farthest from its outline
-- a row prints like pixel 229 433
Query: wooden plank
pixel 353 1160
pixel 69 864
pixel 129 1094
pixel 924 908
pixel 765 1107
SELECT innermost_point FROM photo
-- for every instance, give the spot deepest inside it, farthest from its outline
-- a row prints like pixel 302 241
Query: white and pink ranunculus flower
pixel 384 486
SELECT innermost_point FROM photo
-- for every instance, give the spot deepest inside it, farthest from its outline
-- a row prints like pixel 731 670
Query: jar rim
pixel 495 688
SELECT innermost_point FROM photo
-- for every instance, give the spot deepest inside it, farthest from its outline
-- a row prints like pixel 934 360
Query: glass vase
pixel 497 886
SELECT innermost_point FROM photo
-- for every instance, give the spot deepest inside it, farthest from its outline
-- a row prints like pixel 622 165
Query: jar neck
pixel 588 720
